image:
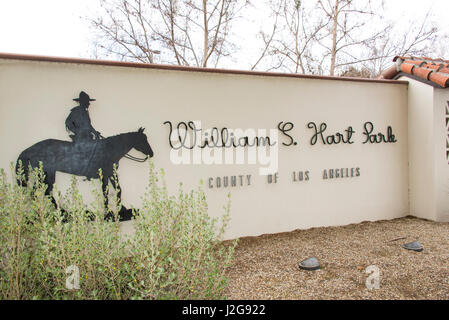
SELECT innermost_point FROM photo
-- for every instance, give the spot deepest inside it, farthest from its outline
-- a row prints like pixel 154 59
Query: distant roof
pixel 431 71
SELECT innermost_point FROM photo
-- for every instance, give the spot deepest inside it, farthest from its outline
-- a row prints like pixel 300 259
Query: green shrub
pixel 176 251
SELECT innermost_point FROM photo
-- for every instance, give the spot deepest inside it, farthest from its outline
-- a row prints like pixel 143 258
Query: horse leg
pixel 124 214
pixel 116 186
pixel 50 178
pixel 104 187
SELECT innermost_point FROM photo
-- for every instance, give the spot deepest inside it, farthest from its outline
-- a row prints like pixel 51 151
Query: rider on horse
pixel 79 122
pixel 86 155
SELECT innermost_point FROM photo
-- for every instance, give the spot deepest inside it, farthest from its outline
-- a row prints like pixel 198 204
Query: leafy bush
pixel 176 251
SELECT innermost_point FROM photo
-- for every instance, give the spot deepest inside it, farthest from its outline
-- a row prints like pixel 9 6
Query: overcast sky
pixel 57 27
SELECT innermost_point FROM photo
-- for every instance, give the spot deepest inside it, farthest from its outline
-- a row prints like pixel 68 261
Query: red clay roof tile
pixel 440 78
pixel 422 73
pixel 417 62
pixel 432 66
pixel 425 68
pixel 389 73
pixel 407 68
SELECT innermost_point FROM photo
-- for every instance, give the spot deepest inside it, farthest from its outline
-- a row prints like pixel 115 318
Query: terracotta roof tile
pixel 388 73
pixel 407 68
pixel 422 72
pixel 425 68
pixel 440 78
pixel 417 62
pixel 432 66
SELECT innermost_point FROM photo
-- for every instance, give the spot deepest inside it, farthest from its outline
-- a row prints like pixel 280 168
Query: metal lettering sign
pixel 89 152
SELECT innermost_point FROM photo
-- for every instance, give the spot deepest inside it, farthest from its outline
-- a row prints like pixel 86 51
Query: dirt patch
pixel 266 267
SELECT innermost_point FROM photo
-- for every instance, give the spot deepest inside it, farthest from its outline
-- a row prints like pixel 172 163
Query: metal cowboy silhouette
pixel 79 122
pixel 86 155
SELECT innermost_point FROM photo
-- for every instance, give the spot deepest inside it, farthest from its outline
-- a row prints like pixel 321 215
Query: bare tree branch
pixel 185 32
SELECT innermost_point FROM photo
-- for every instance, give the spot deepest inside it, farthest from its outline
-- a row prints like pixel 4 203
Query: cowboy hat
pixel 83 97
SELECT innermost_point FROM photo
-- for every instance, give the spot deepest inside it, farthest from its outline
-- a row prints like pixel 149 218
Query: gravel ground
pixel 266 267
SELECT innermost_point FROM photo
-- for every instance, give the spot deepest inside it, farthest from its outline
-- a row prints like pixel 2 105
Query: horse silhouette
pixel 84 158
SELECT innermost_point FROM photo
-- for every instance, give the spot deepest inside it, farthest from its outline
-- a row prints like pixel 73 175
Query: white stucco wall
pixel 441 131
pixel 421 137
pixel 428 163
pixel 36 97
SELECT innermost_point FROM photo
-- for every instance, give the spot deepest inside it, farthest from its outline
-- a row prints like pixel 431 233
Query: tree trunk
pixel 206 35
pixel 334 39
